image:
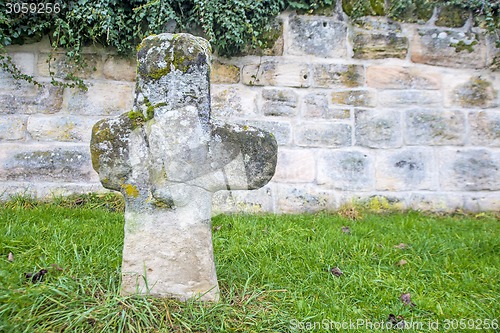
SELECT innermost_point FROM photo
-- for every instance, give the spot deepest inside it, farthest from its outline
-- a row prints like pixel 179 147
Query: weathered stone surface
pixel 396 77
pixel 295 166
pixel 233 101
pixel 477 92
pixel 323 37
pixel 482 202
pixel 25 62
pixel 338 76
pixel 469 170
pixel 316 105
pixel 436 202
pixel 286 96
pixel 101 99
pixel 378 45
pixel 354 98
pixel 405 169
pixel 120 69
pixel 448 48
pixel 346 170
pixel 37 162
pixel 281 102
pixel 310 199
pixel 281 130
pixel 371 23
pixel 378 128
pixel 278 109
pixel 274 73
pixel 224 73
pixel 46 190
pixel 47 99
pixel 252 202
pixel 167 156
pixel 485 127
pixel 324 135
pixel 61 66
pixel 399 98
pixel 434 127
pixel 12 128
pixel 373 201
pixel 60 128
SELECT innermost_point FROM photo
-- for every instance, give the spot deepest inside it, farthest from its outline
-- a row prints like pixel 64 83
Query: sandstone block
pixel 46 190
pixel 378 128
pixel 12 128
pixel 478 92
pixel 316 106
pixel 482 202
pixel 101 99
pixel 254 202
pixel 407 169
pixel 346 170
pixel 442 47
pixel 232 101
pixel 354 98
pixel 295 166
pixel 469 170
pixel 303 199
pixel 374 201
pixel 401 98
pixel 224 73
pixel 436 202
pixel 25 62
pixel 395 77
pixel 60 128
pixel 50 164
pixel 281 130
pixel 273 73
pixel 378 45
pixel 61 66
pixel 278 109
pixel 485 128
pixel 286 96
pixel 338 76
pixel 434 127
pixel 31 100
pixel 119 69
pixel 324 135
pixel 322 37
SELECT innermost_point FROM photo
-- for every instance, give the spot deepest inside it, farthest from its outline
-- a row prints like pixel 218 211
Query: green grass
pixel 274 272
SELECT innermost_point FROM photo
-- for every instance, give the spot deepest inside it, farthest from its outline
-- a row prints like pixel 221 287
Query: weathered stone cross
pixel 168 157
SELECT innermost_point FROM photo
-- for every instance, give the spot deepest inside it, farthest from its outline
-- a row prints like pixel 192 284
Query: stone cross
pixel 167 157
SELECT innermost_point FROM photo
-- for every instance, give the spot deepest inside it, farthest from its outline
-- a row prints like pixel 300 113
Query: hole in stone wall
pixel 325 24
pixel 305 76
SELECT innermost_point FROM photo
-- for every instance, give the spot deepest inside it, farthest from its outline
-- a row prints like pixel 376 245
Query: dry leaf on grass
pixel 10 257
pixel 406 299
pixel 336 271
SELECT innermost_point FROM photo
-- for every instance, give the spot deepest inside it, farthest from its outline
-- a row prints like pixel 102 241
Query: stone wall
pixel 389 114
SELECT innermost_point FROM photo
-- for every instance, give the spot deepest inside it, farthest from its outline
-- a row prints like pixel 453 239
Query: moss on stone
pixel 359 8
pixel 452 16
pixel 462 46
pixel 411 11
pixel 477 93
pixel 137 118
pixel 130 190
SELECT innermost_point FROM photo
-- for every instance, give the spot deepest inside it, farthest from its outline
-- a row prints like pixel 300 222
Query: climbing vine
pixel 231 25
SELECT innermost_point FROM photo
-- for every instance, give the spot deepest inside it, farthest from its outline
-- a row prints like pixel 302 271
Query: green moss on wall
pixel 452 16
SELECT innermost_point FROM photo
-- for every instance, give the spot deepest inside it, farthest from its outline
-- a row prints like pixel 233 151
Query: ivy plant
pixel 231 25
